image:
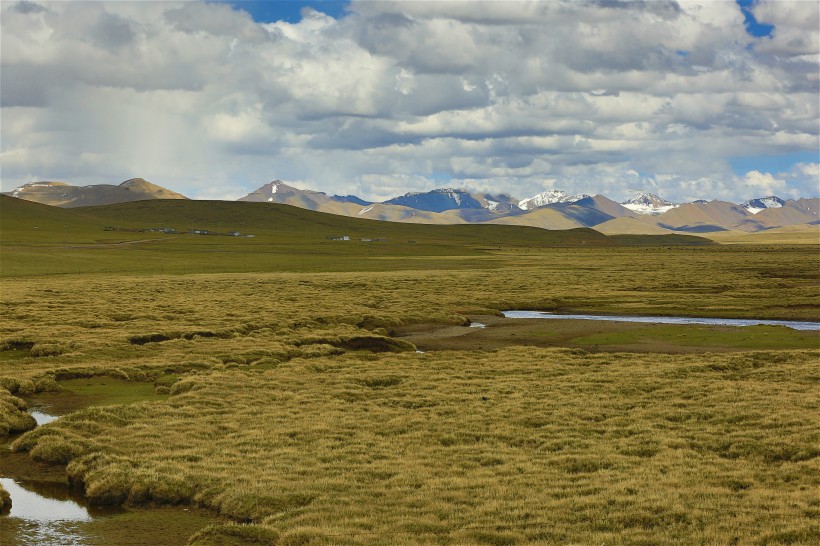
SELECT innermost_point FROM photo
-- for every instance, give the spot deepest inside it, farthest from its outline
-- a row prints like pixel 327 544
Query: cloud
pixel 764 182
pixel 512 97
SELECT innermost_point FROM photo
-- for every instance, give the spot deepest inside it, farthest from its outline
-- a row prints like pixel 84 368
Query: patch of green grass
pixel 94 391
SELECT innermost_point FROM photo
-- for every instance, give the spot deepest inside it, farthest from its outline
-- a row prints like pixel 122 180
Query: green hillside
pixel 27 222
pixel 285 223
pixel 39 239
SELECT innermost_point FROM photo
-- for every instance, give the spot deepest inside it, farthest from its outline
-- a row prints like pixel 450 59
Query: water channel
pixel 794 324
pixel 45 510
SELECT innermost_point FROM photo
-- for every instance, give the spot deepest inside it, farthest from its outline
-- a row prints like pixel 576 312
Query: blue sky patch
pixel 754 28
pixel 288 10
pixel 771 163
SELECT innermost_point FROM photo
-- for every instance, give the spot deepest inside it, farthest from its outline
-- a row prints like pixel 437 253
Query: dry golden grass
pixel 293 410
pixel 514 446
pixel 13 415
pixel 76 321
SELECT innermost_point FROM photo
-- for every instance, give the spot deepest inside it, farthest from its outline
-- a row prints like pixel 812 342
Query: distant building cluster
pixel 363 239
pixel 141 230
pixel 192 231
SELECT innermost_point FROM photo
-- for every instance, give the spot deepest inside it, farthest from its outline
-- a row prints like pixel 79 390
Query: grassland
pixel 294 412
pixel 41 240
pixel 514 446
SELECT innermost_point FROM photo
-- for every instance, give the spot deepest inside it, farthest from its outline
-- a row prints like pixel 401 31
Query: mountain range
pixel 646 213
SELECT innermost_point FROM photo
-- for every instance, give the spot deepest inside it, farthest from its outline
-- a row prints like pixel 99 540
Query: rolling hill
pixel 65 195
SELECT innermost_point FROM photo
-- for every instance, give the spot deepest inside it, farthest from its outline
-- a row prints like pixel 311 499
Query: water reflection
pixel 43 418
pixel 44 520
pixel 28 505
pixel 58 533
pixel 795 324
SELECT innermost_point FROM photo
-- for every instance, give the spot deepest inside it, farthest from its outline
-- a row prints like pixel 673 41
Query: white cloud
pixel 764 182
pixel 402 96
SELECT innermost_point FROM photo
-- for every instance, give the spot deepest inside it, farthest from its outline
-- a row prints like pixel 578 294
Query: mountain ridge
pixel 552 209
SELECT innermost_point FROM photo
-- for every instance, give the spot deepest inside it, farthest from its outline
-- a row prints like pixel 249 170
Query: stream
pixel 42 510
pixel 46 511
pixel 794 324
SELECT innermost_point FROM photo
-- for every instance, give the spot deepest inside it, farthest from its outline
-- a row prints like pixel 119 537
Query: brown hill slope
pixel 701 217
pixel 544 217
pixel 802 211
pixel 630 226
pixel 607 206
pixel 61 194
pixel 279 192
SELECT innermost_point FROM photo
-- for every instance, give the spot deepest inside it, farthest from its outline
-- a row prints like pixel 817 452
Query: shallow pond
pixel 45 510
pixel 794 324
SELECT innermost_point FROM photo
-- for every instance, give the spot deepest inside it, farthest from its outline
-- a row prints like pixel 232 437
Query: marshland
pixel 273 383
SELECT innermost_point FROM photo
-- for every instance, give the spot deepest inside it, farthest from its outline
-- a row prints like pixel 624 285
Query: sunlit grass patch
pixel 13 414
pixel 617 447
pixel 282 400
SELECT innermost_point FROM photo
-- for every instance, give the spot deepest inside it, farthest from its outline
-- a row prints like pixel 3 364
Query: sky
pixel 687 99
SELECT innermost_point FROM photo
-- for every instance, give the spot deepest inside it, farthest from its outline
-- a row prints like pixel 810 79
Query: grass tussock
pixel 509 447
pixel 13 415
pixel 227 535
pixel 5 501
pixel 292 410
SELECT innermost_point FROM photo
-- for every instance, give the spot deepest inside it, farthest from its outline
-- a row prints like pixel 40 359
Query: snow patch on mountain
pixel 548 198
pixel 437 200
pixel 16 192
pixel 649 203
pixel 756 205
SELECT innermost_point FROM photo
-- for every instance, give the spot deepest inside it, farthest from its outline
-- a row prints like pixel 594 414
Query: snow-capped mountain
pixel 756 205
pixel 548 198
pixel 500 203
pixel 648 203
pixel 438 200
